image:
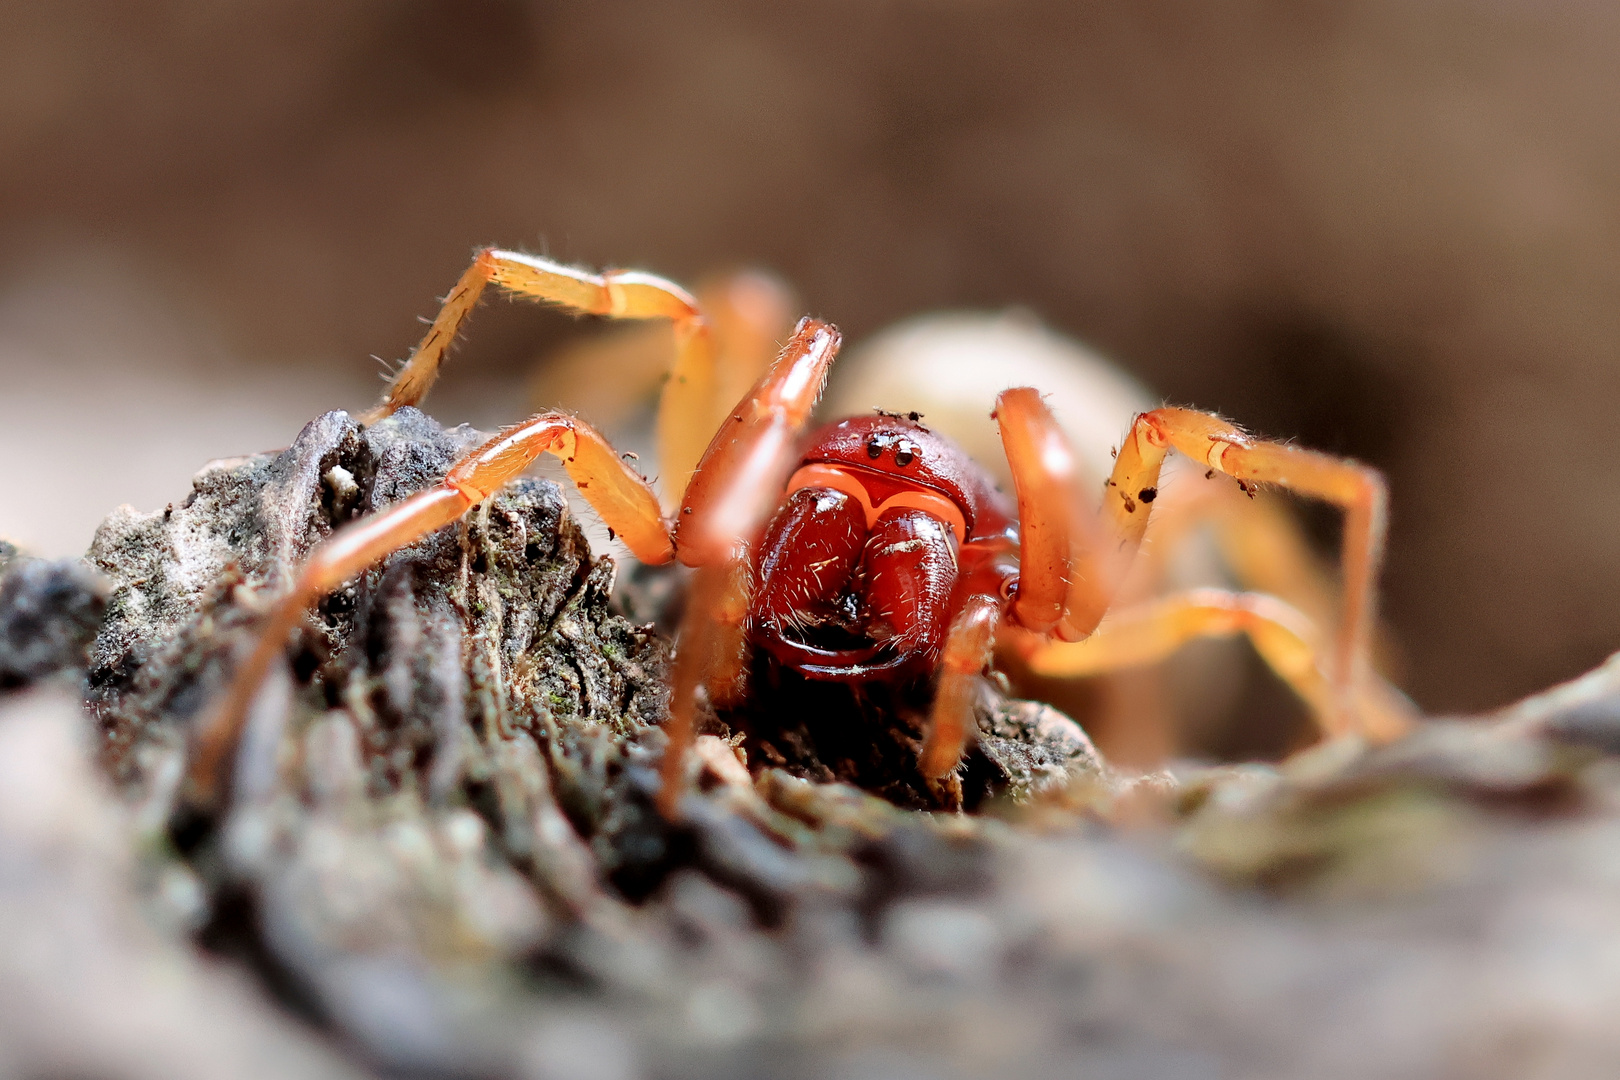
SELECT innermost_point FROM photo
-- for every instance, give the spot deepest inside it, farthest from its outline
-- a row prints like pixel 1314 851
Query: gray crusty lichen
pixel 49 613
pixel 476 630
pixel 451 798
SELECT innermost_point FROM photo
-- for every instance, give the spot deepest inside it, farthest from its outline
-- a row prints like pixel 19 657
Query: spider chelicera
pixel 874 549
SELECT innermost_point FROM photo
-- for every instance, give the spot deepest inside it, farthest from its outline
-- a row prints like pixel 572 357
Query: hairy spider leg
pixel 1064 574
pixel 618 294
pixel 1143 633
pixel 968 645
pixel 750 314
pixel 742 473
pixel 1355 488
pixel 1260 543
pixel 1266 552
pixel 708 654
pixel 751 318
pixel 620 495
pixel 735 487
pixel 1070 572
pixel 1066 578
pixel 1285 639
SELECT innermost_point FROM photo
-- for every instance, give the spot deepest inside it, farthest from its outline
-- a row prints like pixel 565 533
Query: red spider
pixel 877 551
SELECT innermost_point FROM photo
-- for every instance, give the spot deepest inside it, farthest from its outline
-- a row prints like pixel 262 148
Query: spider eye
pixel 874 449
pixel 904 457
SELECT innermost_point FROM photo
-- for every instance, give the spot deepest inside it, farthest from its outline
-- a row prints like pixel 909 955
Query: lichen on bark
pixel 454 788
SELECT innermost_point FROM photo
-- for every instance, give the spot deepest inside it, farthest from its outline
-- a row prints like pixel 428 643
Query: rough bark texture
pixel 439 855
pixel 49 612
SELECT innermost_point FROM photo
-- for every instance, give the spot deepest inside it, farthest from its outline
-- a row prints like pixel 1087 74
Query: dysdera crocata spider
pixel 873 550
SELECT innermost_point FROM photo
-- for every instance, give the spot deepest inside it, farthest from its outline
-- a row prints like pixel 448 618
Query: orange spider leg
pixel 1260 542
pixel 618 294
pixel 708 654
pixel 1065 580
pixel 968 645
pixel 333 562
pixel 1355 488
pixel 1284 638
pixel 1149 632
pixel 618 494
pixel 734 488
pixel 750 313
pixel 1104 574
pixel 745 466
pixel 1263 544
pixel 1266 548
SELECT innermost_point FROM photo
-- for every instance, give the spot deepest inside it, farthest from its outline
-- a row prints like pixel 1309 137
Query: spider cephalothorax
pixel 857 570
pixel 876 549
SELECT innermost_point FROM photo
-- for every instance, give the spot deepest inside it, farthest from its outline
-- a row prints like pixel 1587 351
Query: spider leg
pixel 1357 489
pixel 708 654
pixel 1263 547
pixel 617 493
pixel 1066 577
pixel 1074 566
pixel 736 485
pixel 750 314
pixel 740 477
pixel 1064 574
pixel 1146 633
pixel 1259 541
pixel 968 645
pixel 617 294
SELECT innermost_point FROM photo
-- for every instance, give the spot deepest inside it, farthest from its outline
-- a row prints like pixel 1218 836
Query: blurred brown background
pixel 1389 229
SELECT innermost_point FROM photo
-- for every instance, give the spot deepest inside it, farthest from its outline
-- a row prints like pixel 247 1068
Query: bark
pixel 440 856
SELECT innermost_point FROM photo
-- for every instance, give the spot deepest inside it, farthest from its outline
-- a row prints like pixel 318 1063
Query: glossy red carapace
pixel 857 574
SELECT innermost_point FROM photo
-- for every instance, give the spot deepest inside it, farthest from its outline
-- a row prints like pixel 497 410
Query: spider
pixel 874 549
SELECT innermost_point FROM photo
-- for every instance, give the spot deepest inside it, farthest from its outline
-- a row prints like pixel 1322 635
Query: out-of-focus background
pixel 1387 229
